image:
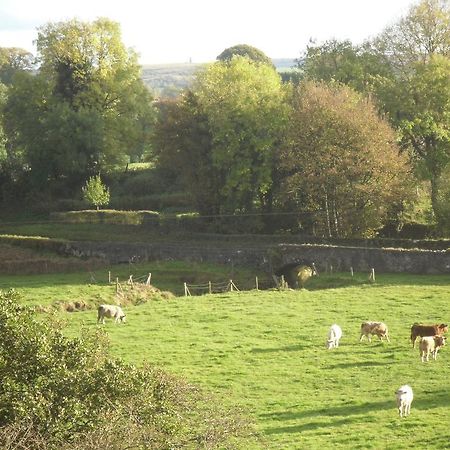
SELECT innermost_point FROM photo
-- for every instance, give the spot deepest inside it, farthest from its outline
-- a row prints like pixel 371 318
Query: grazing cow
pixel 427 330
pixel 404 395
pixel 430 344
pixel 334 335
pixel 112 311
pixel 379 329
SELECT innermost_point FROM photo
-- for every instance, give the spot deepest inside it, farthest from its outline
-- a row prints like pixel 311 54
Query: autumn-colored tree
pixel 341 164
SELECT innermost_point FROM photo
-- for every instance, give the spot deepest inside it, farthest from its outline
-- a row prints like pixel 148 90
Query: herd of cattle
pixel 432 339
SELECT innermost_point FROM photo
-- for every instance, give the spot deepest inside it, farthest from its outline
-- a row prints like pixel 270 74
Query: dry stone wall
pixel 269 257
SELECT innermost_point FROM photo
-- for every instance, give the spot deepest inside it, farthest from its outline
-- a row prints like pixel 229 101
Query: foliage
pixel 423 32
pixel 95 192
pixel 86 109
pixel 14 60
pixel 224 133
pixel 68 390
pixel 246 51
pixel 418 48
pixel 357 66
pixel 341 161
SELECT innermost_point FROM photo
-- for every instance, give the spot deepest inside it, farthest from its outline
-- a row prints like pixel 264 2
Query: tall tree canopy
pixel 227 129
pixel 418 98
pixel 340 161
pixel 86 110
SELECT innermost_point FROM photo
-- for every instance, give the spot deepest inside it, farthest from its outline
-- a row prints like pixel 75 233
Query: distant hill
pixel 167 80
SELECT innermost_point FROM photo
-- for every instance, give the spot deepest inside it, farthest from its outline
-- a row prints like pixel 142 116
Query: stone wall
pixel 269 257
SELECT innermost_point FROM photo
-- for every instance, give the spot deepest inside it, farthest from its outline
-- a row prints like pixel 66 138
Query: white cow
pixel 112 311
pixel 334 335
pixel 430 344
pixel 404 395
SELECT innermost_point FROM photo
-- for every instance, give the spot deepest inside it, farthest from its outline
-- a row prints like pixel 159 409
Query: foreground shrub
pixel 60 393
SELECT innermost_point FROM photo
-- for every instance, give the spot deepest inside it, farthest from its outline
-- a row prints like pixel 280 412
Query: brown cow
pixel 427 330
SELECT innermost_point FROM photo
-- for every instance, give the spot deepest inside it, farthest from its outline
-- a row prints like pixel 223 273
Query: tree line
pixel 342 141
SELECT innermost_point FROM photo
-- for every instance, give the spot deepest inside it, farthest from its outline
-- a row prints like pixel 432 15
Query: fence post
pixel 351 270
pixel 117 285
pixel 209 287
pixel 149 279
pixel 109 276
pixel 231 285
pixel 372 275
pixel 256 283
pixel 185 289
pixel 283 283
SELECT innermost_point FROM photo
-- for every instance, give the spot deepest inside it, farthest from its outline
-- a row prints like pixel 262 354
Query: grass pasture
pixel 265 351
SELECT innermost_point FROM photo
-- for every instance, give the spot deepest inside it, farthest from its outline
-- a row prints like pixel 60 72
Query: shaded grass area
pixel 93 287
pixel 265 351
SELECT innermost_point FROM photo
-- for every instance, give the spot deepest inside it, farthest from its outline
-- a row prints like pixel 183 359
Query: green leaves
pixel 95 192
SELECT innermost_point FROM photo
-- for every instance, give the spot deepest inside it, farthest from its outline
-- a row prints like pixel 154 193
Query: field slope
pixel 265 351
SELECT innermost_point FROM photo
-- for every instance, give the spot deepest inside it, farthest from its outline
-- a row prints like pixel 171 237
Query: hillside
pixel 168 79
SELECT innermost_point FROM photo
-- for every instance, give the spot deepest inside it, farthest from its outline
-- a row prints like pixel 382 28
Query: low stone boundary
pixel 269 257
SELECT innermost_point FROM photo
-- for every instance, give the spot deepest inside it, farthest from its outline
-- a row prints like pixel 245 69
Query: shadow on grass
pixel 424 401
pixel 359 364
pixel 289 348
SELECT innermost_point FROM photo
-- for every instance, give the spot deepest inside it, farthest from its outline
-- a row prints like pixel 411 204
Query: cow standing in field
pixel 430 344
pixel 404 396
pixel 379 329
pixel 427 330
pixel 111 311
pixel 334 335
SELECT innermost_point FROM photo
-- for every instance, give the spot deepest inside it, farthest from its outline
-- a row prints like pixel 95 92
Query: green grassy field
pixel 265 351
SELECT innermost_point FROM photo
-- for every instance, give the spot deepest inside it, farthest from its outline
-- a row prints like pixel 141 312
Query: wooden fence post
pixel 256 283
pixel 372 275
pixel 351 270
pixel 149 279
pixel 185 289
pixel 109 276
pixel 209 287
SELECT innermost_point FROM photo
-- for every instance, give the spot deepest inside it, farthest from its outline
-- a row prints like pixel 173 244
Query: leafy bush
pixel 60 393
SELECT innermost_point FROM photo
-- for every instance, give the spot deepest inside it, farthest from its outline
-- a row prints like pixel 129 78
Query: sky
pixel 178 31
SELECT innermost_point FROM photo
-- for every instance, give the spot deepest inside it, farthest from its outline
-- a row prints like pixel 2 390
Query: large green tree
pixel 418 97
pixel 341 165
pixel 226 131
pixel 86 110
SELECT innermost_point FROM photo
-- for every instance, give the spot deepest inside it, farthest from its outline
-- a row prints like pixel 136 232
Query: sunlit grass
pixel 265 351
